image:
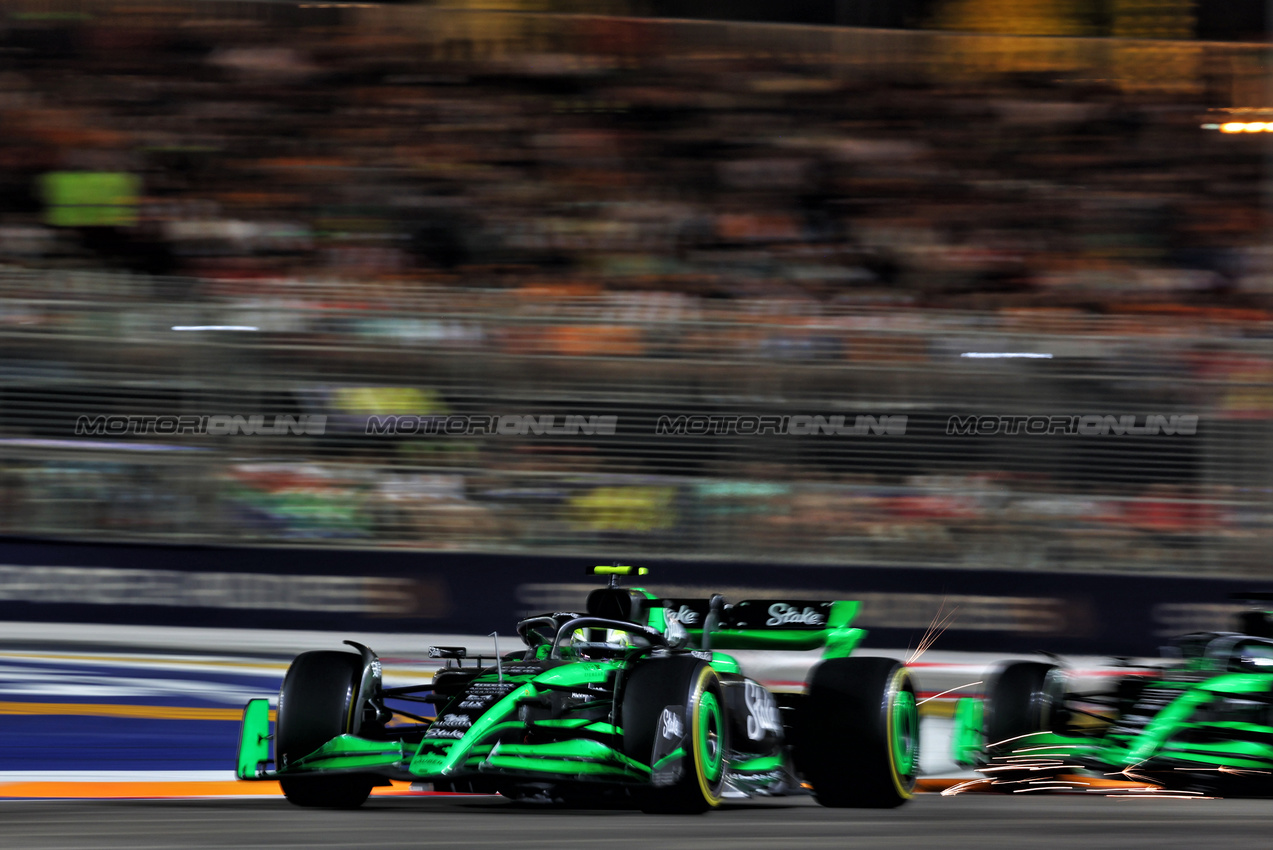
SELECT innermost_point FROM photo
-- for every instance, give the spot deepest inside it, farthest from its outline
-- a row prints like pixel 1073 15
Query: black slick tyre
pixel 859 734
pixel 688 682
pixel 1024 697
pixel 315 705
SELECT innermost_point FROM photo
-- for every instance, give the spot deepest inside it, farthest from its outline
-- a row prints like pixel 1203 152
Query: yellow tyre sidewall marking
pixel 705 678
pixel 895 686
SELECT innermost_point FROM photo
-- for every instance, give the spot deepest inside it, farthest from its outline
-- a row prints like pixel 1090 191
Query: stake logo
pixel 686 616
pixel 673 726
pixel 762 712
pixel 782 614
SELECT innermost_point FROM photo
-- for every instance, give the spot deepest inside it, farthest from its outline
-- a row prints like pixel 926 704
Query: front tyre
pixel 691 684
pixel 314 706
pixel 342 791
pixel 859 737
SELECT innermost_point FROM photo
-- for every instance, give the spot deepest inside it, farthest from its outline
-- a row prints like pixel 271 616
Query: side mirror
pixel 715 606
pixel 677 636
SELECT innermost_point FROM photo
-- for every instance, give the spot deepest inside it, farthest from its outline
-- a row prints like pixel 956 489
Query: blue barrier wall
pixel 464 593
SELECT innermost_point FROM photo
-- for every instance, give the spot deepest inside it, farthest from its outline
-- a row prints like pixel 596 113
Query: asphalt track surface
pixel 931 820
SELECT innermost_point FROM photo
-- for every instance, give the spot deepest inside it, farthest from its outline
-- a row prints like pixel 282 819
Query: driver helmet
pixel 587 642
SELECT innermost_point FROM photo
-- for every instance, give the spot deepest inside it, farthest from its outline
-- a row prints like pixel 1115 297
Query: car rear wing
pixel 794 624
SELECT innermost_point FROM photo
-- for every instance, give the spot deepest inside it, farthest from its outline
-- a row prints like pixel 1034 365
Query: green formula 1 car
pixel 1199 723
pixel 629 702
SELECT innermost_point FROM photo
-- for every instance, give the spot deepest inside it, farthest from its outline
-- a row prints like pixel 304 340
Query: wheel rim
pixel 711 750
pixel 905 726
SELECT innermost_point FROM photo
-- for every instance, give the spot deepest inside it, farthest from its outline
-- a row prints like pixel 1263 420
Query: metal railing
pixel 894 472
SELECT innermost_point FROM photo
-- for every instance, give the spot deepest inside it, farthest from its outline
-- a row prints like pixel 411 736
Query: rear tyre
pixel 678 681
pixel 859 736
pixel 1127 693
pixel 315 705
pixel 1025 697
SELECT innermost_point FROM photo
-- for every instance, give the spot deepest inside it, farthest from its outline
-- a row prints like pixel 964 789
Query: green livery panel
pixel 254 740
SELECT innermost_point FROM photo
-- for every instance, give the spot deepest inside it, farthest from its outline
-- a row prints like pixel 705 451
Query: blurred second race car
pixel 1198 722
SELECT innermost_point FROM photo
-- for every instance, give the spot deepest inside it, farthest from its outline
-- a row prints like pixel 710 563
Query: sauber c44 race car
pixel 630 702
pixel 1198 723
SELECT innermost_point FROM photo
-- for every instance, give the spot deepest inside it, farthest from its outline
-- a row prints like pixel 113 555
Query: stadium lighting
pixel 1231 127
pixel 1003 355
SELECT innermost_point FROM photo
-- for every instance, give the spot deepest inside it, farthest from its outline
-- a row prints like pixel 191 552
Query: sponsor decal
pixel 482 694
pixel 444 733
pixel 764 776
pixel 675 633
pixel 782 614
pixel 686 616
pixel 1177 618
pixel 447 652
pixel 762 712
pixel 583 697
pixel 702 653
pixel 670 734
pixel 104 586
pixel 673 726
pixel 462 721
pixel 769 782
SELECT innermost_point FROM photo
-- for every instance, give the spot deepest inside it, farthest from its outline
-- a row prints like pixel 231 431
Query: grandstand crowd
pixel 274 154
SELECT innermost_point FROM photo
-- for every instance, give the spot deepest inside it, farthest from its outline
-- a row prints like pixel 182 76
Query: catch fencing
pixel 631 424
